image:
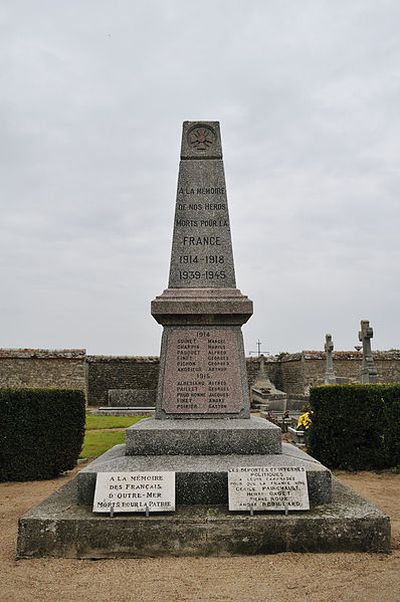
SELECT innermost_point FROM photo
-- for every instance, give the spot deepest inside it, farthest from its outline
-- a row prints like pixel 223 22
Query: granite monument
pixel 203 431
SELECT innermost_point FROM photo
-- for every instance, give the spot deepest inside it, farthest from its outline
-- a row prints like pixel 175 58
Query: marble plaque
pixel 202 371
pixel 268 488
pixel 134 492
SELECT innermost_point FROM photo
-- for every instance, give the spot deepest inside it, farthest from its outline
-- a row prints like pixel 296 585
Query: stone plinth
pixel 203 437
pixel 59 527
pixel 203 479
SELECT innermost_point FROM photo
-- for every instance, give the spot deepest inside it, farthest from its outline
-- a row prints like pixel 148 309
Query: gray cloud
pixel 92 98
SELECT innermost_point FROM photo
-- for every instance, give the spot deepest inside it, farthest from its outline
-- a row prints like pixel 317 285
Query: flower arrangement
pixel 304 421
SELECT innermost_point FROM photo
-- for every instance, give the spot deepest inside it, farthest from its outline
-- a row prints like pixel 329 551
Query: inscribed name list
pixel 268 488
pixel 134 492
pixel 202 372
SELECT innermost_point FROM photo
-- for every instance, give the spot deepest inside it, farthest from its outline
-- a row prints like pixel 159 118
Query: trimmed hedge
pixel 41 432
pixel 355 427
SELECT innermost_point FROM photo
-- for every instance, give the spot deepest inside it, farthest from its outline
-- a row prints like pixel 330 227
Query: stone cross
pixel 330 377
pixel 368 371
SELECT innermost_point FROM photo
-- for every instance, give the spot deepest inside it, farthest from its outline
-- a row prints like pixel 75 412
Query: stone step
pixel 203 437
pixel 204 479
pixel 126 411
pixel 58 527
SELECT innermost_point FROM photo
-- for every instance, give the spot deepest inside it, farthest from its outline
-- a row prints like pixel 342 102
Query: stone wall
pixel 43 368
pixel 292 367
pixel 129 372
pixel 119 372
pixel 302 370
pixel 96 374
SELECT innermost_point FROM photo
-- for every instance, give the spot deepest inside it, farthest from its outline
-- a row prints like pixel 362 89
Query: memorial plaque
pixel 134 492
pixel 202 372
pixel 268 488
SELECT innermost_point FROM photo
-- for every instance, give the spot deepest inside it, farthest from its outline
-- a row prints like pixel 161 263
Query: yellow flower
pixel 304 420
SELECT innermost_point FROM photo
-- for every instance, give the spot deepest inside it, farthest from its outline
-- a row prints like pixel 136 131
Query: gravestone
pixel 202 430
pixel 369 373
pixel 330 376
pixel 264 394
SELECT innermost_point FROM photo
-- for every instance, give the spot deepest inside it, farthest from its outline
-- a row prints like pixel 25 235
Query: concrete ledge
pixel 121 411
pixel 203 437
pixel 203 305
pixel 58 527
pixel 203 479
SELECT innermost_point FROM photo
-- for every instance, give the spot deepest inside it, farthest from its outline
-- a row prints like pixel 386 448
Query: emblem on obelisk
pixel 201 138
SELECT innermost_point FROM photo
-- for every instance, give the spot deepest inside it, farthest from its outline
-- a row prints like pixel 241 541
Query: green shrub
pixel 355 427
pixel 41 432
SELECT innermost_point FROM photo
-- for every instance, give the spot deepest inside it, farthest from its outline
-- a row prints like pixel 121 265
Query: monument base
pixel 59 527
pixel 203 479
pixel 209 436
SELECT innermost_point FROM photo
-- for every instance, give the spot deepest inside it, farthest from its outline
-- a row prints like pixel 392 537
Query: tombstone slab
pixel 264 394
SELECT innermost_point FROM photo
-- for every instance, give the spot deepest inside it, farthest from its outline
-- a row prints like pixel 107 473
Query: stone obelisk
pixel 202 363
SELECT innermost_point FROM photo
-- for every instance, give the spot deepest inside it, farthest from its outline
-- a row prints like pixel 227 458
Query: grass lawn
pixel 109 422
pixel 98 441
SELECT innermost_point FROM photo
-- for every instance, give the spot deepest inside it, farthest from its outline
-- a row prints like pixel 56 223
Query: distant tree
pixel 281 354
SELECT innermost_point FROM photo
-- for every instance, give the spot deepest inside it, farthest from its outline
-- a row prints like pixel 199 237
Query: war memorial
pixel 203 477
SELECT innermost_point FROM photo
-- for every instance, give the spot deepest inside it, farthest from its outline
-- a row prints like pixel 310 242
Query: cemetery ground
pixel 289 576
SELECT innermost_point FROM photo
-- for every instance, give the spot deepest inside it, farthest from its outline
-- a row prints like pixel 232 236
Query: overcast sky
pixel 93 95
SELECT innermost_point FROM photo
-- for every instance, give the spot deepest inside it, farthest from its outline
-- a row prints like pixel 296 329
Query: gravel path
pixel 281 577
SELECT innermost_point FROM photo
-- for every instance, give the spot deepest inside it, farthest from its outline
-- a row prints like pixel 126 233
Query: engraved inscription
pixel 268 488
pixel 134 492
pixel 200 374
pixel 201 228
